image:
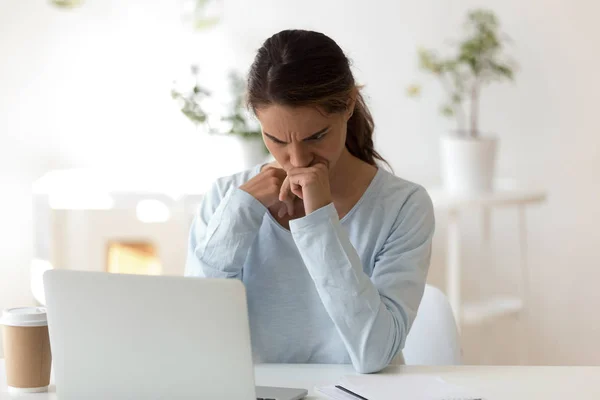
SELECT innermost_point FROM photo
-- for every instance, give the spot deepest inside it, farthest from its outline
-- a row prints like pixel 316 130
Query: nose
pixel 300 156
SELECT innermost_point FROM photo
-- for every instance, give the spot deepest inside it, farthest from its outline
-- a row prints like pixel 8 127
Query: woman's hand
pixel 266 187
pixel 310 184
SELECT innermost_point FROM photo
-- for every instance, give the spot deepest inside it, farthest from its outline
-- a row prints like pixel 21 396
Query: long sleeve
pixel 373 314
pixel 222 232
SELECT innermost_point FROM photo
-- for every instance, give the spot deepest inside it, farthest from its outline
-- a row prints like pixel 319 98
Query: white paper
pixel 394 387
pixel 334 393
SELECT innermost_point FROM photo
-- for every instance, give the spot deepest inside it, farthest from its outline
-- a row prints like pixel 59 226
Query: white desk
pixel 492 383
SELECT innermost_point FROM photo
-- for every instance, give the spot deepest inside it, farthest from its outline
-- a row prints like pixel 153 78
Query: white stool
pixel 506 194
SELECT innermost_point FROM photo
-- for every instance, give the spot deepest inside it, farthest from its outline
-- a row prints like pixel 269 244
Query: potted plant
pixel 243 125
pixel 232 121
pixel 467 156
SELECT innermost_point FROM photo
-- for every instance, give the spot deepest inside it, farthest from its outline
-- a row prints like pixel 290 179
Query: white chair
pixel 433 338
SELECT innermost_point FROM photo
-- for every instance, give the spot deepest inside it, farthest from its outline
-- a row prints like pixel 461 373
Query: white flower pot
pixel 468 164
pixel 253 152
pixel 232 153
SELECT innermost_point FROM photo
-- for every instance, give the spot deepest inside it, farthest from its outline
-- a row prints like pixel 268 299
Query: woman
pixel 333 250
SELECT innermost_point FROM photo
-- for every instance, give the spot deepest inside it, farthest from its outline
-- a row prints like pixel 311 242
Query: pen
pixel 358 396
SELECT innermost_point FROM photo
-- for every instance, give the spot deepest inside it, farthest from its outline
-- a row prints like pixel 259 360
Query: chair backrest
pixel 433 338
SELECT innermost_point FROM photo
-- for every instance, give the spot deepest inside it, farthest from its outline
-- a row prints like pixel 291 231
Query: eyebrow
pixel 313 136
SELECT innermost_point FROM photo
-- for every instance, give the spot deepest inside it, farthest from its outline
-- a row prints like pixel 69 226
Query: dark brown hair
pixel 306 68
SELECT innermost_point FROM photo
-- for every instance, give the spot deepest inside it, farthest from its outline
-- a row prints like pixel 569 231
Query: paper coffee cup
pixel 26 349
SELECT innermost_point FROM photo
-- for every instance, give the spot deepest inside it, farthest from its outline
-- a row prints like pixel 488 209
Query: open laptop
pixel 151 337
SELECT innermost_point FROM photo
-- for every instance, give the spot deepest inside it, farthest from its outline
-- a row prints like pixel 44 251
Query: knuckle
pixel 273 181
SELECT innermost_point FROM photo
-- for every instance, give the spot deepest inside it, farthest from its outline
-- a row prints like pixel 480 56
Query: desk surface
pixel 492 383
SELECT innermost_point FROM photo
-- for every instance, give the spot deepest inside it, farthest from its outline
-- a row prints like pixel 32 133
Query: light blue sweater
pixel 327 291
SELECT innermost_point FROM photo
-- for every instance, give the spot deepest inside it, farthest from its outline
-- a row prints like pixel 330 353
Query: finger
pixel 285 195
pixel 275 172
pixel 302 176
pixel 282 210
pixel 297 190
pixel 321 166
pixel 317 165
pixel 295 184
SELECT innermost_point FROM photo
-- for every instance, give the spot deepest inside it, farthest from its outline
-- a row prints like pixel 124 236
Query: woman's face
pixel 300 137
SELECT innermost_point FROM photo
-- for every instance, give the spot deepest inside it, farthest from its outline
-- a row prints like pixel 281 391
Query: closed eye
pixel 317 136
pixel 273 139
pixel 314 138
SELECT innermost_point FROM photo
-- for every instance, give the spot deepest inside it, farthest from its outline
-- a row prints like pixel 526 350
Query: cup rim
pixel 24 317
pixel 20 390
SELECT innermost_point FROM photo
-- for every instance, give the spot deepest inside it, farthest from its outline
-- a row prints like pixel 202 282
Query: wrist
pixel 314 206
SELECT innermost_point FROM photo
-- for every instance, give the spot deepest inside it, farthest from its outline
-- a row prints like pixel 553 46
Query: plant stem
pixel 458 111
pixel 473 132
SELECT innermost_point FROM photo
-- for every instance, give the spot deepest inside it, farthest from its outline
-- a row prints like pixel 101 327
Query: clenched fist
pixel 266 188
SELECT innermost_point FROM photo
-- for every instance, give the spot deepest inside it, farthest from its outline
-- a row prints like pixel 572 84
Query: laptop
pixel 119 336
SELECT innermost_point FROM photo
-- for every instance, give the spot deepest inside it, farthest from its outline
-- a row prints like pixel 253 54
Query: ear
pixel 351 103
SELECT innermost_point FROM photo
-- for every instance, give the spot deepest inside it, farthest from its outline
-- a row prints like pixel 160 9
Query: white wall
pixel 90 87
pixel 19 165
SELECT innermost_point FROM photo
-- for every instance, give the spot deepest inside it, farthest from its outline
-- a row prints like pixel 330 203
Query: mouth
pixel 312 164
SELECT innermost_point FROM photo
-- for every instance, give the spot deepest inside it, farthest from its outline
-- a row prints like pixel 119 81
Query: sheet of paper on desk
pixel 394 387
pixel 334 393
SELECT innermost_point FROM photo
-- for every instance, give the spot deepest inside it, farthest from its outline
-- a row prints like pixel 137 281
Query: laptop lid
pixel 148 337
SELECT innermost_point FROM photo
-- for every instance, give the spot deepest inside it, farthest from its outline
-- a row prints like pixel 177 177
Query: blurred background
pixel 106 148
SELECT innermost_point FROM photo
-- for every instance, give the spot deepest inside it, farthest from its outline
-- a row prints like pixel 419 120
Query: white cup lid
pixel 24 316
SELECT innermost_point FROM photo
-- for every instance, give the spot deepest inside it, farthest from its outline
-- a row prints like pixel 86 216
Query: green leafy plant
pixel 242 123
pixel 478 61
pixel 191 101
pixel 236 120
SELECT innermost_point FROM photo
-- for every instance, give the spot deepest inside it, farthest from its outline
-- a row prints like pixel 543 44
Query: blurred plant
pixel 191 101
pixel 66 3
pixel 237 120
pixel 202 14
pixel 478 62
pixel 242 123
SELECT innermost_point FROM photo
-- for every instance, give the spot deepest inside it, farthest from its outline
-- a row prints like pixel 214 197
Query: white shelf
pixel 479 312
pixel 506 193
